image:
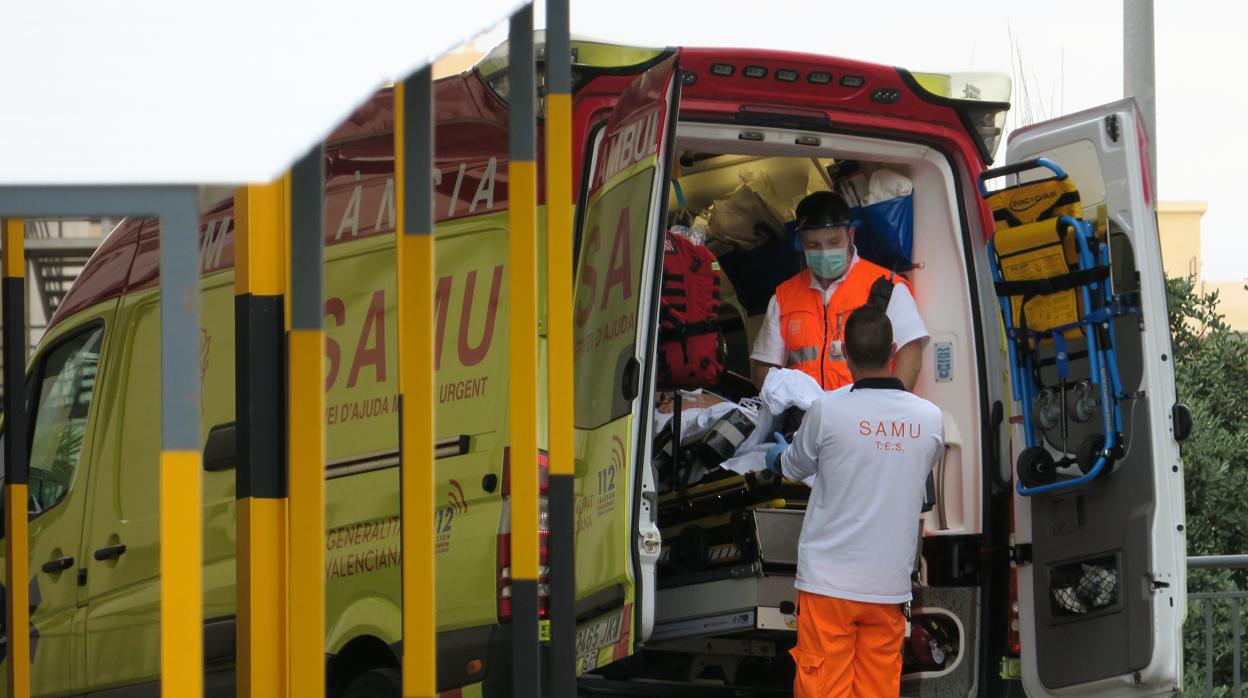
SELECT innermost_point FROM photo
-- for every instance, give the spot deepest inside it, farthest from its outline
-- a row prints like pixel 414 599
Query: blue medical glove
pixel 772 457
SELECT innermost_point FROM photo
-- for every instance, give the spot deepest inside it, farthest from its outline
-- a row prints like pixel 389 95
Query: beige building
pixel 457 61
pixel 1179 224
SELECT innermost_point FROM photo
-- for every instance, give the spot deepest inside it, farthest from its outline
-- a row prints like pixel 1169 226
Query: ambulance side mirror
pixel 221 450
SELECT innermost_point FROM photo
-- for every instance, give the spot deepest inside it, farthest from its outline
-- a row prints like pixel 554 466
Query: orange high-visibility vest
pixel 814 333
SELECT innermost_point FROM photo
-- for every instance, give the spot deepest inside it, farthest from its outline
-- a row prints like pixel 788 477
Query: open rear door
pixel 1103 597
pixel 616 315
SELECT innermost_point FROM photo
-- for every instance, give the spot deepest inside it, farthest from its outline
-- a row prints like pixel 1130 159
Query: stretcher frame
pixel 1097 310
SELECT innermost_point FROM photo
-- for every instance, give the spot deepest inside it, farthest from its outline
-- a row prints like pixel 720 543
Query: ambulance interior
pixel 734 192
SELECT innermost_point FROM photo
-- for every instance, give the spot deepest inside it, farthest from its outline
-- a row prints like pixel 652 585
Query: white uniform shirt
pixel 870 446
pixel 907 325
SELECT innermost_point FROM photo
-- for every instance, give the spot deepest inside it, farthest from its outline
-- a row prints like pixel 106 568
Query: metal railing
pixel 1214 604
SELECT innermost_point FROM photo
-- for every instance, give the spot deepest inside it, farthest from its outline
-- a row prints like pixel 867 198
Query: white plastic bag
pixel 886 184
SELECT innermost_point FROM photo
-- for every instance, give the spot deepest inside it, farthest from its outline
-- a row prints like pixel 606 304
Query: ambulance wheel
pixel 1089 450
pixel 376 683
pixel 1036 467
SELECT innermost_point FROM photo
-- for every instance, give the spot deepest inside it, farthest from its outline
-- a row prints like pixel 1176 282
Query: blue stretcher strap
pixel 1060 354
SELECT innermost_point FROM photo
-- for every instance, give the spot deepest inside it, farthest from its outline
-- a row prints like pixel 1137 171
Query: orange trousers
pixel 847 649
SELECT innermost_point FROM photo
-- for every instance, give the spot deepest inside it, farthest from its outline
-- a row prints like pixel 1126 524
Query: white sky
pixel 217 92
pixel 1071 52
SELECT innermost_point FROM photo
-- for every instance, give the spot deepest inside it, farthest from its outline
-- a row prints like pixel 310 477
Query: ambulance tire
pixel 376 683
pixel 1089 449
pixel 1036 467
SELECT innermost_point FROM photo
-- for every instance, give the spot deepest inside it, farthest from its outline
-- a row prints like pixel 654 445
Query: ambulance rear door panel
pixel 1124 528
pixel 615 318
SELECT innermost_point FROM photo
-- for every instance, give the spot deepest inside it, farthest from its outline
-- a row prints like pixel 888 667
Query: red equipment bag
pixel 691 346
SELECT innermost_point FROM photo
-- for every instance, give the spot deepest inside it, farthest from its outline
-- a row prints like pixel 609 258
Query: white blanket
pixel 782 389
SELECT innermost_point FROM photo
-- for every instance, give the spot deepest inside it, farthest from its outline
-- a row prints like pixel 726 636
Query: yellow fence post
pixel 306 428
pixel 560 360
pixel 16 472
pixel 260 410
pixel 181 500
pixel 414 241
pixel 522 389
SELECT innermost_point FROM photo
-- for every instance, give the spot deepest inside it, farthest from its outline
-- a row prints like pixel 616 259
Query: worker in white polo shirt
pixel 871 446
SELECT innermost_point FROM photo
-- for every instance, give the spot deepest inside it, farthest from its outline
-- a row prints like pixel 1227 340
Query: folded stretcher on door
pixel 1051 274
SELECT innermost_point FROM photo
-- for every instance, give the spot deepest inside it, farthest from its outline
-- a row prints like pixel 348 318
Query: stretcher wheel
pixel 1087 453
pixel 1036 467
pixel 1046 411
pixel 1086 402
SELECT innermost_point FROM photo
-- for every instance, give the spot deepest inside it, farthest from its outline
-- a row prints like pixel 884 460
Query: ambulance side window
pixel 60 399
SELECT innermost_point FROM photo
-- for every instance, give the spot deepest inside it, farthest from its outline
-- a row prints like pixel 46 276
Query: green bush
pixel 1211 375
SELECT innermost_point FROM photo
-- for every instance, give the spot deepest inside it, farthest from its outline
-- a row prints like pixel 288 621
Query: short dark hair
pixel 869 338
pixel 822 209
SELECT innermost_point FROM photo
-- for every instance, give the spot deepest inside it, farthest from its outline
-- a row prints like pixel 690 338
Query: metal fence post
pixel 1208 647
pixel 522 389
pixel 260 410
pixel 16 471
pixel 414 267
pixel 1235 631
pixel 560 361
pixel 306 429
pixel 181 525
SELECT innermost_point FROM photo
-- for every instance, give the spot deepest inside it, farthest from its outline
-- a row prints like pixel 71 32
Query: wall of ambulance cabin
pixel 949 376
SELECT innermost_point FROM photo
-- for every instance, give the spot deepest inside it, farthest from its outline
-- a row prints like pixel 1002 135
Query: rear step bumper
pixel 593 686
pixel 746 601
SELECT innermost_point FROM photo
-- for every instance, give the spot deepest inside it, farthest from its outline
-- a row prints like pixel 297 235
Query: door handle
pixel 58 565
pixel 110 552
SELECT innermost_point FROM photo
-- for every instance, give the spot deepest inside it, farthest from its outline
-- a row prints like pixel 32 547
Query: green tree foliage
pixel 1211 375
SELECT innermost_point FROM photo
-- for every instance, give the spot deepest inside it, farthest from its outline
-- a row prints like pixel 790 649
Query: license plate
pixel 596 635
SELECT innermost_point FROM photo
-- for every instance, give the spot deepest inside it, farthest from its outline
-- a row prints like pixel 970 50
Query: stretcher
pixel 1051 274
pixel 714 541
pixel 729 523
pixel 725 494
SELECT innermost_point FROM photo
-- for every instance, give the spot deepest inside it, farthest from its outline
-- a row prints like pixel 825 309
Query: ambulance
pixel 1002 603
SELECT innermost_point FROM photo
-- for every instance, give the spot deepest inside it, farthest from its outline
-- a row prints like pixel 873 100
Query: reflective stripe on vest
pixel 813 332
pixel 803 354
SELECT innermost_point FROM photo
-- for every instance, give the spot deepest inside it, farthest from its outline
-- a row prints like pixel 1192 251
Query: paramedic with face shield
pixel 805 324
pixel 871 446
